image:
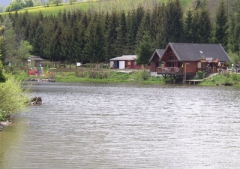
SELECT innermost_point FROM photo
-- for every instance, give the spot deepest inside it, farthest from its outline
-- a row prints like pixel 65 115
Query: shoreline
pixel 4 124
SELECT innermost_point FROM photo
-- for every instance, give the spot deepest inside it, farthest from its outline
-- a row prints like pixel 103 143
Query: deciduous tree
pixel 2 77
pixel 24 51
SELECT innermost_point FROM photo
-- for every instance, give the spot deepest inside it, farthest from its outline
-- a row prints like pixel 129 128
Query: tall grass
pixel 141 76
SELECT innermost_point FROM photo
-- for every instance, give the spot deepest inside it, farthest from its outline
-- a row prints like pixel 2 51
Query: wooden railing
pixel 169 70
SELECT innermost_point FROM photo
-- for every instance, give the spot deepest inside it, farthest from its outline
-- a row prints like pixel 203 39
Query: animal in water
pixel 36 101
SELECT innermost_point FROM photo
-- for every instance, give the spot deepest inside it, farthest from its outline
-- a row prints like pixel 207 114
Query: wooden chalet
pixel 186 59
pixel 155 59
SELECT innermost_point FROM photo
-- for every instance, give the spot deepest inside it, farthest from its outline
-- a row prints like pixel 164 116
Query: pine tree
pixel 145 26
pixel 144 49
pixel 205 27
pixel 132 29
pixel 195 26
pixel 37 41
pixel 188 27
pixel 80 35
pixel 221 25
pixel 95 42
pixel 201 23
pixel 174 21
pixel 56 48
pixel 111 35
pixel 65 40
pixel 158 30
pixel 121 40
pixel 234 27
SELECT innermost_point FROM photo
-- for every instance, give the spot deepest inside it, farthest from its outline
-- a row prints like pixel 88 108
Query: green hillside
pixel 119 5
pixel 105 6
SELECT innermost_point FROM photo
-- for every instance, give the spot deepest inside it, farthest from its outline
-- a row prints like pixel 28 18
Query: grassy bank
pixel 227 79
pixel 93 75
pixel 108 76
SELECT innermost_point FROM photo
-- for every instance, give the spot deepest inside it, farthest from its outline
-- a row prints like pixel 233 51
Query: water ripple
pixel 126 126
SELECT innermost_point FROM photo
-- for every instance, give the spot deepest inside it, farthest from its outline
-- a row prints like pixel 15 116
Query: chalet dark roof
pixel 193 52
pixel 158 52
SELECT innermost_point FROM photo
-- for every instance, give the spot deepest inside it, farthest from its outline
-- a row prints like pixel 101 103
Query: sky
pixel 4 3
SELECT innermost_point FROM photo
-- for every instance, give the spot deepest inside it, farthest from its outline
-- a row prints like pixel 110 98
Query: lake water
pixel 85 125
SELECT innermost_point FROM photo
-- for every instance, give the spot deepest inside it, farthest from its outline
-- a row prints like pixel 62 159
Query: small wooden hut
pixel 35 61
pixel 123 62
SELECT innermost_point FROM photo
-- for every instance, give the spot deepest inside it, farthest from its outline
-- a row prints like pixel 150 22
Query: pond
pixel 86 125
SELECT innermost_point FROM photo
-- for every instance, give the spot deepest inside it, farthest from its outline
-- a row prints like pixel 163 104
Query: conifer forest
pixel 97 36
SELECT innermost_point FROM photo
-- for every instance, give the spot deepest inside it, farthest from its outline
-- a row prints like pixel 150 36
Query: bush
pixel 226 74
pixel 169 80
pixel 235 76
pixel 3 115
pixel 15 7
pixel 200 74
pixel 140 76
pixel 144 75
pixel 12 97
pixel 97 75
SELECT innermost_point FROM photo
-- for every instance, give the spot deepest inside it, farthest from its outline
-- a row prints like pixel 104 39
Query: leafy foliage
pixel 19 4
pixel 12 97
pixel 2 77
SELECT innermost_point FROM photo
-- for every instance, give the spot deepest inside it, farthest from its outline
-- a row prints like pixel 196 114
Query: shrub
pixel 235 76
pixel 139 76
pixel 144 75
pixel 12 97
pixel 226 73
pixel 200 74
pixel 3 115
pixel 168 80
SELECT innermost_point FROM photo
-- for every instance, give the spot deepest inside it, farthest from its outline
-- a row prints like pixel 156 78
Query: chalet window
pixel 170 64
pixel 199 65
pixel 172 58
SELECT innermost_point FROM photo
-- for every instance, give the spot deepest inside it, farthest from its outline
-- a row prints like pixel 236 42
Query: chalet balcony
pixel 169 70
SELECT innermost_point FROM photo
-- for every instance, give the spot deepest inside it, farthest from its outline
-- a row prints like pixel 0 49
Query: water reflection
pixel 88 125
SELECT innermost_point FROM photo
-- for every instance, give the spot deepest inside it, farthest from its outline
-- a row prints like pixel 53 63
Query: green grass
pixel 108 6
pixel 54 10
pixel 222 79
pixel 108 76
pixel 138 76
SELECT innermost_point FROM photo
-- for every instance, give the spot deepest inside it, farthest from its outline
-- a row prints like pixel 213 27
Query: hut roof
pixel 36 58
pixel 193 52
pixel 124 58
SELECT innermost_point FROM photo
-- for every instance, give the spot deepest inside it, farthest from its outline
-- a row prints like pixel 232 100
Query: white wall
pixel 121 64
pixel 111 63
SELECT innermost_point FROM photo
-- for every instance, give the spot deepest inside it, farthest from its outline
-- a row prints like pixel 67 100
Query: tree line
pixel 95 36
